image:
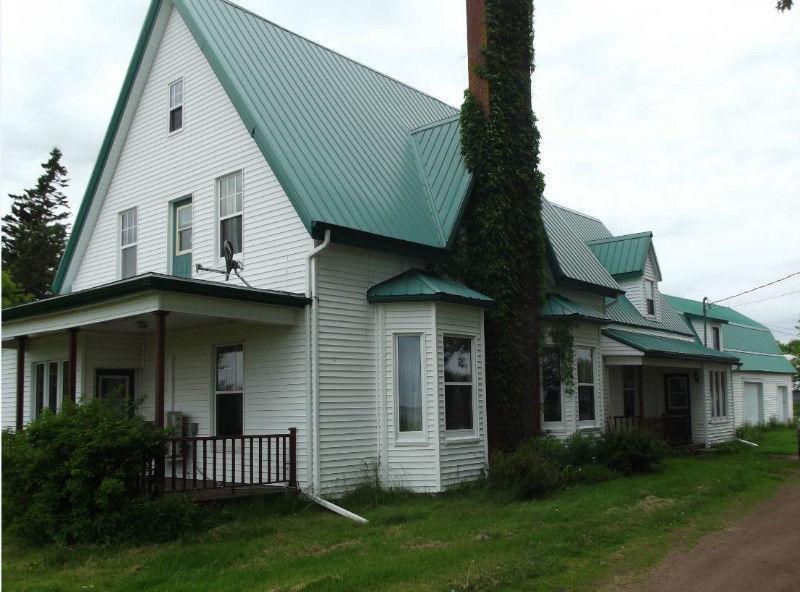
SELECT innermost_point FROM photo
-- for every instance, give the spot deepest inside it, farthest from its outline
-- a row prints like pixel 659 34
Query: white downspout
pixel 312 378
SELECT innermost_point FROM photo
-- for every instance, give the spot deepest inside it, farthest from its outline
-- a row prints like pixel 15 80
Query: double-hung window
pixel 649 298
pixel 551 385
pixel 585 361
pixel 128 241
pixel 229 194
pixel 629 391
pixel 716 339
pixel 458 382
pixel 229 390
pixel 50 385
pixel 719 393
pixel 409 383
pixel 176 105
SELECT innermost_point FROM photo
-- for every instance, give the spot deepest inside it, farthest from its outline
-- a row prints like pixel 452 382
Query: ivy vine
pixel 562 335
pixel 499 249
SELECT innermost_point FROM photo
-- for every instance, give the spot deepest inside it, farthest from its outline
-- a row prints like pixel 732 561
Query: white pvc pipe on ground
pixel 334 508
pixel 753 444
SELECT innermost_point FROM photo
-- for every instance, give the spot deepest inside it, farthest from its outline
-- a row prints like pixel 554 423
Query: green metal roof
pixel 354 149
pixel 714 311
pixel 153 281
pixel 623 255
pixel 417 285
pixel 586 227
pixel 752 362
pixel 557 306
pixel 623 312
pixel 570 259
pixel 746 338
pixel 669 348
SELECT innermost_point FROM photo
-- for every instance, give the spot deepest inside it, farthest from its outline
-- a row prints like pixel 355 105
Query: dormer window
pixel 649 298
pixel 176 106
pixel 715 338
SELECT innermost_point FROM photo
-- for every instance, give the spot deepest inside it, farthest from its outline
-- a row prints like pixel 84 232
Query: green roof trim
pixel 623 255
pixel 105 147
pixel 664 347
pixel 148 282
pixel 557 306
pixel 752 362
pixel 417 285
pixel 571 261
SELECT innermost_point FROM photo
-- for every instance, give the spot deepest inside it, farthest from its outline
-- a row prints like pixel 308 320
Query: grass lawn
pixel 577 539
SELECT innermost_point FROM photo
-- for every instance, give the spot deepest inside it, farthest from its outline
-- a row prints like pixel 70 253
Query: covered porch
pixel 675 388
pixel 221 366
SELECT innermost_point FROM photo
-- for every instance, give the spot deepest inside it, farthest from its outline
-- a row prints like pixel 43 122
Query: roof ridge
pixel 746 351
pixel 621 237
pixel 437 123
pixel 578 212
pixel 354 61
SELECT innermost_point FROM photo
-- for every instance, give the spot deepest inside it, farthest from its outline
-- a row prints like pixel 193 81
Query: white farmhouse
pixel 336 190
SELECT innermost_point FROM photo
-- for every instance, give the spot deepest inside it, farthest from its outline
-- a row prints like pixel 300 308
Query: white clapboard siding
pixel 634 288
pixel 718 429
pixel 155 168
pixel 772 398
pixel 347 354
pixel 462 458
pixel 9 392
pixel 408 460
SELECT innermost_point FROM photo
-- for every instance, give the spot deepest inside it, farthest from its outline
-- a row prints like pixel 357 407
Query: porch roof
pixel 417 285
pixel 557 306
pixel 152 282
pixel 669 348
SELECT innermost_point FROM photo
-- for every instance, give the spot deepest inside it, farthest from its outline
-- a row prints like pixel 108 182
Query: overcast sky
pixel 679 117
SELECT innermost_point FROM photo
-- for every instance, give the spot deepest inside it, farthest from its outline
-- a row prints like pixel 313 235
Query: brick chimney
pixel 476 38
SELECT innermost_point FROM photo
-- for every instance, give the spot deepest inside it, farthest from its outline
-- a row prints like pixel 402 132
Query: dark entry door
pixel 677 399
pixel 116 387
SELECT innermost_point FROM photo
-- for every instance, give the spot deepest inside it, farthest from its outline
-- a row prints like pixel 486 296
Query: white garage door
pixel 753 403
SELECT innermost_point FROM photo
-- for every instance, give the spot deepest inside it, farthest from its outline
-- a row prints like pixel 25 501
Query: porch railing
pixel 217 462
pixel 671 428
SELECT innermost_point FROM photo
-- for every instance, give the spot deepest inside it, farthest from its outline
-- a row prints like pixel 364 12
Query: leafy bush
pixel 546 463
pixel 631 451
pixel 73 476
pixel 528 471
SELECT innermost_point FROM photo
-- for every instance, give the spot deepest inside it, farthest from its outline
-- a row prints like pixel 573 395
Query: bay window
pixel 409 383
pixel 551 385
pixel 458 382
pixel 585 362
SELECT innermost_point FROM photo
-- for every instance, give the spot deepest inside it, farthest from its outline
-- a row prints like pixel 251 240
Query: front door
pixel 182 238
pixel 677 416
pixel 753 403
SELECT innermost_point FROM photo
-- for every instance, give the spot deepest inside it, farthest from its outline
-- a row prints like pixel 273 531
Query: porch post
pixel 73 364
pixel 159 402
pixel 20 379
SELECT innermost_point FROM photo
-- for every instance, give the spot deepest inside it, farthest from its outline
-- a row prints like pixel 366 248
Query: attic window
pixel 715 335
pixel 649 290
pixel 176 105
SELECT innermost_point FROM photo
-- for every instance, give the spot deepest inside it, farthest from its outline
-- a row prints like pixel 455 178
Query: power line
pixel 781 328
pixel 757 288
pixel 768 299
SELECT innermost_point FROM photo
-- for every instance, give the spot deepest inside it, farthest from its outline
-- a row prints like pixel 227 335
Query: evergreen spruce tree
pixel 34 233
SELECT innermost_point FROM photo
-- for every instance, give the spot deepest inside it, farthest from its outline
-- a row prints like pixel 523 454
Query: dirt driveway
pixel 761 552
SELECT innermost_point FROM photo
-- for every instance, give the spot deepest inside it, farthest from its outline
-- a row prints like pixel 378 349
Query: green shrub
pixel 527 471
pixel 73 476
pixel 631 451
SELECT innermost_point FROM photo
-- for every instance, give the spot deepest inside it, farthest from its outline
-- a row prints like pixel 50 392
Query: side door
pixel 181 238
pixel 677 417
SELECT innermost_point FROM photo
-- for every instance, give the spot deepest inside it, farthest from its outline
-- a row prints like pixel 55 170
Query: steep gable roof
pixel 624 255
pixel 622 311
pixel 355 150
pixel 572 262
